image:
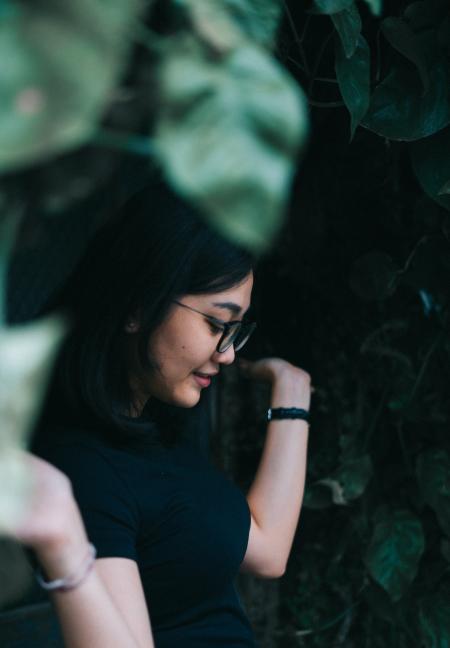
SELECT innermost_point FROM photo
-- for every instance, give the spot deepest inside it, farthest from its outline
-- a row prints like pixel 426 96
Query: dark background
pixel 355 291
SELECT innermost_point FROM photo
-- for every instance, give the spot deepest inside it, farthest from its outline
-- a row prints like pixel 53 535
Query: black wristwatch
pixel 287 413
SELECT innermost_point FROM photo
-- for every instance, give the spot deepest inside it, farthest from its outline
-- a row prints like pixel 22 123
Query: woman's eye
pixel 215 329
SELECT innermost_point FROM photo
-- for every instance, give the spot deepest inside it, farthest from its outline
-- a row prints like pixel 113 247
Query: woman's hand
pixel 51 523
pixel 289 383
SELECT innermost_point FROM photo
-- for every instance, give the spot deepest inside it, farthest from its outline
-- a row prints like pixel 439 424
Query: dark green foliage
pixel 394 551
pixel 357 293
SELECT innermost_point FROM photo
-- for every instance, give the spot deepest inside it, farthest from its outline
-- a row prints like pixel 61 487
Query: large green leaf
pixel 58 63
pixel 395 549
pixel 413 46
pixel 430 159
pixel 399 111
pixel 433 473
pixel 353 75
pixel 228 134
pixel 348 26
pixel 434 620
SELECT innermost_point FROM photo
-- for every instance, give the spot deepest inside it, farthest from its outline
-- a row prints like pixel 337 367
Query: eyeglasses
pixel 236 333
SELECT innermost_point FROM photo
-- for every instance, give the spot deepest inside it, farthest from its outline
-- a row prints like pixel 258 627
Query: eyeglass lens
pixel 237 336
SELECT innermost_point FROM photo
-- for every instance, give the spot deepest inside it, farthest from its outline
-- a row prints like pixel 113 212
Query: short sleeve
pixel 107 505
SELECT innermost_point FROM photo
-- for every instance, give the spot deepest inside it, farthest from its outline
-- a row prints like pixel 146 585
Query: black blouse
pixel 182 520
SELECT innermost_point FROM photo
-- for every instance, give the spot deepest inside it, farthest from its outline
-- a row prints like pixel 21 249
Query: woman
pixel 158 306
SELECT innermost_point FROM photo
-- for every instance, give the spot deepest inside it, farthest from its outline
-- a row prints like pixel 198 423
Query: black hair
pixel 154 249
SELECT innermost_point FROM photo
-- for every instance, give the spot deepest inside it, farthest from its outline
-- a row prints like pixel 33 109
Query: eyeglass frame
pixel 226 326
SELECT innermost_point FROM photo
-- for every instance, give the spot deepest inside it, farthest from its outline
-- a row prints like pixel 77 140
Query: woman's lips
pixel 202 381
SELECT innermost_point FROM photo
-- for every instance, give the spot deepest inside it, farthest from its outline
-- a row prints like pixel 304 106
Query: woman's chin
pixel 190 400
pixel 184 397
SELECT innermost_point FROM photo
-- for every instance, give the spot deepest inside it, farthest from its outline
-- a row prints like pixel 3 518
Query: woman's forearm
pixel 276 494
pixel 87 614
pixel 89 618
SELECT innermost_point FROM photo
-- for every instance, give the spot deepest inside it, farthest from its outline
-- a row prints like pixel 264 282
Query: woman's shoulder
pixel 89 457
pixel 101 476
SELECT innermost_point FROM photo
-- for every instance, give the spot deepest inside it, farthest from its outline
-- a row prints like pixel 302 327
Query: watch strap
pixel 287 413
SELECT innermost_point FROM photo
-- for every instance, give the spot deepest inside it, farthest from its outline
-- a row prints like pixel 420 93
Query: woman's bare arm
pixel 276 494
pixel 108 609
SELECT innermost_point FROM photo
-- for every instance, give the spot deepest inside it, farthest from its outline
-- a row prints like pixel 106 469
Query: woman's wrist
pixel 291 389
pixel 63 560
pixel 73 579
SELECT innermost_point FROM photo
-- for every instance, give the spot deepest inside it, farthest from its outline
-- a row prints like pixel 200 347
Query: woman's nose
pixel 227 357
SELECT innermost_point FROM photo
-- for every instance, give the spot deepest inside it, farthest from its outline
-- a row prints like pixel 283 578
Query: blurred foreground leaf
pixel 228 135
pixel 58 63
pixel 257 19
pixel 26 357
pixel 260 18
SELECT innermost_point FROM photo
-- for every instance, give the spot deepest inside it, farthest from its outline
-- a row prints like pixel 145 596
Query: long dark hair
pixel 154 249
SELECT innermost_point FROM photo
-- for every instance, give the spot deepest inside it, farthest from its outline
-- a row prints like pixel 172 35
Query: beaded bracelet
pixel 69 582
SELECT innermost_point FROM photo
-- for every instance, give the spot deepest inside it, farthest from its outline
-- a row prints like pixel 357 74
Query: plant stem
pixel 318 60
pixel 298 39
pixel 425 362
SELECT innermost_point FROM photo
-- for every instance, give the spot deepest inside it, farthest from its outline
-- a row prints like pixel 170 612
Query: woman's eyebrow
pixel 234 309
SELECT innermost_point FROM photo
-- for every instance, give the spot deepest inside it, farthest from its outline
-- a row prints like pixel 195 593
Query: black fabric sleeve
pixel 107 506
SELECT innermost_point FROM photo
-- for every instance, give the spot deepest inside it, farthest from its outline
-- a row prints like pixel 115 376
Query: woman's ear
pixel 133 323
pixel 131 326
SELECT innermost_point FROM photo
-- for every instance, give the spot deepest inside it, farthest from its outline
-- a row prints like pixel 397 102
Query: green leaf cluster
pixel 223 118
pixel 359 292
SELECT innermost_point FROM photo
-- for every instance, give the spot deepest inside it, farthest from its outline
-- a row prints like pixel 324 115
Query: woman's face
pixel 185 343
